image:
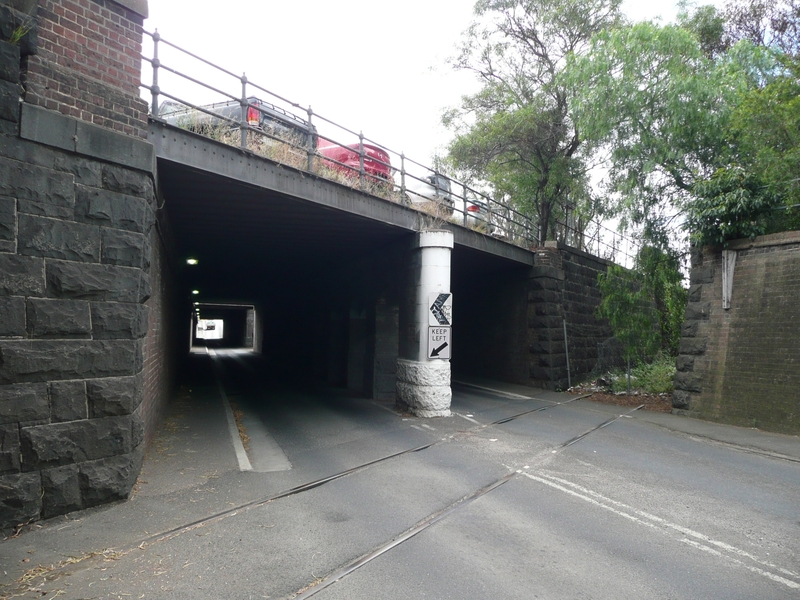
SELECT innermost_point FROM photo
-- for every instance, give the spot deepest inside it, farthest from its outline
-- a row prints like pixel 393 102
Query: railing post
pixel 403 197
pixel 361 160
pixel 310 141
pixel 464 206
pixel 154 89
pixel 243 101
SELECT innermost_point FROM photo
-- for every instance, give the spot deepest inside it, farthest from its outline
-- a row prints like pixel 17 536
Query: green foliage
pixel 700 118
pixel 645 306
pixel 629 309
pixel 708 27
pixel 655 377
pixel 517 133
pixel 663 278
pixel 743 197
pixel 679 110
pixel 766 23
pixel 650 98
pixel 766 128
pixel 732 204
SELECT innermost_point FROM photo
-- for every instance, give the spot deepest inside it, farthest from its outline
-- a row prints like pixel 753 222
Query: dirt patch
pixel 654 402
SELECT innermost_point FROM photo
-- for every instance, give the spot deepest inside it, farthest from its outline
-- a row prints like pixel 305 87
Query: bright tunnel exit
pixel 226 325
pixel 210 329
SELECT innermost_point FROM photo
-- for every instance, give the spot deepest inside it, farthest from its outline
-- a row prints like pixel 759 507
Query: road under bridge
pixel 329 271
pixel 101 210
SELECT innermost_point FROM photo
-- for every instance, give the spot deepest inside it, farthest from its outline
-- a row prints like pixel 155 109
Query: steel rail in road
pixel 75 565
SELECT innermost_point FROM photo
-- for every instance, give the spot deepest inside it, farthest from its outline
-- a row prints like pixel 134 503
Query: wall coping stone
pixel 138 6
pixel 51 128
pixel 567 248
pixel 764 241
pixel 546 271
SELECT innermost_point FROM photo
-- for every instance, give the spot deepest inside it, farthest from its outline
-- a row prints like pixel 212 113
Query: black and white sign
pixel 441 309
pixel 439 342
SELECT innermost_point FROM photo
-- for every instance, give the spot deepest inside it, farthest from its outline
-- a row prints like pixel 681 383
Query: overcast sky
pixel 360 63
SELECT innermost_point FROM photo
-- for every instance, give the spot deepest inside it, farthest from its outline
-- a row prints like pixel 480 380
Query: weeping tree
pixel 517 133
pixel 685 113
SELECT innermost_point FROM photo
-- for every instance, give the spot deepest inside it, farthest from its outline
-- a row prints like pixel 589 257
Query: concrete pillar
pixel 423 383
pixel 384 370
pixel 249 328
pixel 258 329
pixel 357 350
pixel 337 348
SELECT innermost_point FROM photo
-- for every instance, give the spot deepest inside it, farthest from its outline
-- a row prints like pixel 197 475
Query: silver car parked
pixel 432 188
pixel 473 212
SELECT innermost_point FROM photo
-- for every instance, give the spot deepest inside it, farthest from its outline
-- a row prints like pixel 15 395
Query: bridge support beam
pixel 423 383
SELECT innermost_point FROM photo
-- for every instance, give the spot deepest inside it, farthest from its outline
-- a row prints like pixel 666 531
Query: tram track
pixel 725 549
pixel 74 565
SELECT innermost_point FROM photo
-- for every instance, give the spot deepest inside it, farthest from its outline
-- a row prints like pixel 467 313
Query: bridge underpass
pixel 96 303
pixel 326 267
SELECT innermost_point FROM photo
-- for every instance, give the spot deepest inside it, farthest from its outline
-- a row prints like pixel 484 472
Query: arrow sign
pixel 439 342
pixel 441 309
pixel 436 351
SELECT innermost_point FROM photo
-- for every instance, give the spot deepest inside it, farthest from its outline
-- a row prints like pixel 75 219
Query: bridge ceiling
pixel 253 223
pixel 239 232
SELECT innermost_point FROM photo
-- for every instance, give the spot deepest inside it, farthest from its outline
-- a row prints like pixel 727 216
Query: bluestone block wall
pixel 509 325
pixel 76 219
pixel 563 288
pixel 742 365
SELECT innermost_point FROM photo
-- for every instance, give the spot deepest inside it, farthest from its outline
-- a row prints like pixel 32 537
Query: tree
pixel 743 197
pixel 771 24
pixel 653 100
pixel 708 27
pixel 627 306
pixel 645 305
pixel 731 204
pixel 517 132
pixel 765 127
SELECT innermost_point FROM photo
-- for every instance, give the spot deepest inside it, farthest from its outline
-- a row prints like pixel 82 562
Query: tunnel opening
pixel 224 326
pixel 326 285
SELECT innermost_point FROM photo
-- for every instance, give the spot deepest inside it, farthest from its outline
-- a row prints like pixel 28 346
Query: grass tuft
pixel 652 378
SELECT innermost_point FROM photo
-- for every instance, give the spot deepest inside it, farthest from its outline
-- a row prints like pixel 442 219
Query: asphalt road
pixel 463 507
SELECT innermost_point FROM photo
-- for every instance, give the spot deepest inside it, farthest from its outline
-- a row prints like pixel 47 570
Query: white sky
pixel 377 67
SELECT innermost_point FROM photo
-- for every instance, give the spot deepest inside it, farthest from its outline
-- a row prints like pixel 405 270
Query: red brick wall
pixel 88 64
pixel 742 365
pixel 160 342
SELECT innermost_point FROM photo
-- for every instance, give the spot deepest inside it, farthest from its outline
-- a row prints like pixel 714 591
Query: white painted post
pixel 423 382
pixel 728 266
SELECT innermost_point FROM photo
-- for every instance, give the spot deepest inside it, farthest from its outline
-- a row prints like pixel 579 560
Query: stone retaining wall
pixel 741 365
pixel 76 217
pixel 563 288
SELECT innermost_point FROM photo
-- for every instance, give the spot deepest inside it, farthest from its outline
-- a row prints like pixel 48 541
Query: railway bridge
pixel 124 240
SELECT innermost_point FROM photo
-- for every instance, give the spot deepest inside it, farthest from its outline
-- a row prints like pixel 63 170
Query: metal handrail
pixel 502 219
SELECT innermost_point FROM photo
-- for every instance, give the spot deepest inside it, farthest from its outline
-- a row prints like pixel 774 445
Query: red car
pixel 348 160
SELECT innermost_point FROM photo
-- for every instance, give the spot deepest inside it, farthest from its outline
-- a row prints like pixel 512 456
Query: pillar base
pixel 423 388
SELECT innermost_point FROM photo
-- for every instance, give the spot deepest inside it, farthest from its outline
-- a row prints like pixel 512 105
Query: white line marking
pixel 684 530
pixel 467 417
pixel 664 526
pixel 767 574
pixel 241 455
pixel 499 392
